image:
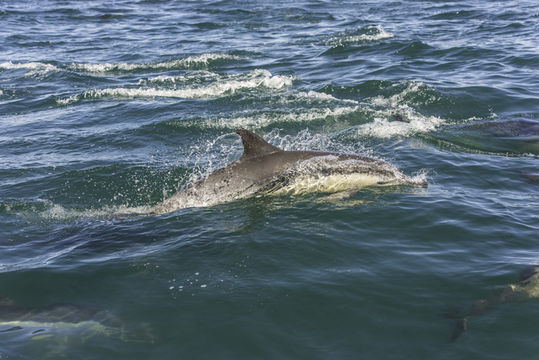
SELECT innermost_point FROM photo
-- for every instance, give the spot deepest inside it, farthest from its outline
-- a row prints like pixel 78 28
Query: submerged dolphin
pixel 264 167
pixel 524 289
pixel 66 320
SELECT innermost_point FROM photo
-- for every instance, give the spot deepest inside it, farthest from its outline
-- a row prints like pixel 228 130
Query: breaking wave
pixel 393 115
pixel 189 63
pixel 259 120
pixel 202 61
pixel 324 97
pixel 33 67
pixel 219 86
pixel 382 116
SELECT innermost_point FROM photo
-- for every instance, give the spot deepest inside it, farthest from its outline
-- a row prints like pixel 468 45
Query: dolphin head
pixel 529 272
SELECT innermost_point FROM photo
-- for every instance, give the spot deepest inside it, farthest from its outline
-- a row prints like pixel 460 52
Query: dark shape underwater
pixel 67 320
pixel 525 289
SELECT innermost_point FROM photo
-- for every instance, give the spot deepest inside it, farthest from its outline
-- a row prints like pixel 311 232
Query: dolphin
pixel 525 289
pixel 522 127
pixel 67 320
pixel 265 168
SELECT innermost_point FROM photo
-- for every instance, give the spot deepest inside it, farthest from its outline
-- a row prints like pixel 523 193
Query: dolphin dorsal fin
pixel 254 145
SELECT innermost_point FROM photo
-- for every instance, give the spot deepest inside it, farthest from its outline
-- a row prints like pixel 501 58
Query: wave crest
pixel 34 68
pixel 219 86
pixel 188 63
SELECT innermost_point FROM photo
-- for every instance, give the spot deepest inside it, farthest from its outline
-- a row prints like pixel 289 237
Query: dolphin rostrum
pixel 524 289
pixel 264 167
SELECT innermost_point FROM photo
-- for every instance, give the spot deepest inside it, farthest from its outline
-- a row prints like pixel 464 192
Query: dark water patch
pixel 523 60
pixel 62 10
pixel 33 11
pixel 414 49
pixel 419 49
pixel 360 50
pixel 511 15
pixel 497 99
pixel 209 25
pixel 309 18
pixel 509 28
pixel 214 10
pixel 112 9
pixel 366 89
pixel 31 43
pixel 458 15
pixel 466 52
pixel 19 106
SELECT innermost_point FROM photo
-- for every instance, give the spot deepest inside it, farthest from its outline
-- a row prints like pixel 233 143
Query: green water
pixel 106 107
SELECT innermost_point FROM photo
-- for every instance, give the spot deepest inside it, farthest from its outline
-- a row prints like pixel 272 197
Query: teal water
pixel 106 106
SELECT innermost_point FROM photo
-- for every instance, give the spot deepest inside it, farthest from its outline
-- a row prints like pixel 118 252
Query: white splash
pixel 59 212
pixel 381 127
pixel 385 109
pixel 412 88
pixel 370 33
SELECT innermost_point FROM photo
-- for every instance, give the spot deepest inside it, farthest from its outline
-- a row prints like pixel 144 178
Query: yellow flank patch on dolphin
pixel 56 324
pixel 327 184
pixel 42 337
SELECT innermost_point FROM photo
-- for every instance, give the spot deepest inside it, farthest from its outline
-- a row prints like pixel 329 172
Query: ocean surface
pixel 106 107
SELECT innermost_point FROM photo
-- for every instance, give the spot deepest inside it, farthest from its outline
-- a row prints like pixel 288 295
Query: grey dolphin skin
pixel 259 166
pixel 86 321
pixel 526 288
